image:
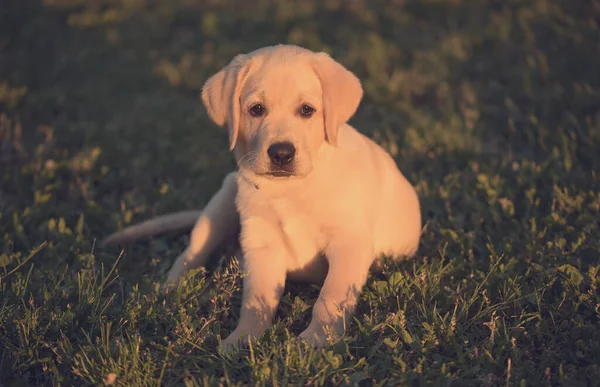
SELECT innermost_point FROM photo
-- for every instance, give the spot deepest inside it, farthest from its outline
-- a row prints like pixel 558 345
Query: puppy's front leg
pixel 349 259
pixel 264 262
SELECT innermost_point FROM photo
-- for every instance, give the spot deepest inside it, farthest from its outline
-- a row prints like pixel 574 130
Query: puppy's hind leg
pixel 218 221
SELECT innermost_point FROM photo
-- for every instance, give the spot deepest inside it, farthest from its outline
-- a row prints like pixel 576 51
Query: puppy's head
pixel 280 105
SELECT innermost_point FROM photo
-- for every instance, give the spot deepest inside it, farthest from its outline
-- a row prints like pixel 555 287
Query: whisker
pixel 251 156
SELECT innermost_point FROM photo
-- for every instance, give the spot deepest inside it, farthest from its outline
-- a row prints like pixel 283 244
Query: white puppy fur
pixel 322 208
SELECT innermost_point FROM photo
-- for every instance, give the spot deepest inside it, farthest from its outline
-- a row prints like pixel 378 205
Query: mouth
pixel 278 174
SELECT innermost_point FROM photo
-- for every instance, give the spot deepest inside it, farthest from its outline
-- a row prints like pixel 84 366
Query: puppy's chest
pixel 300 230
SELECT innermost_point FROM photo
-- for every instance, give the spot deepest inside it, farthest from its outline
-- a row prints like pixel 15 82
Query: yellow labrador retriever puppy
pixel 313 199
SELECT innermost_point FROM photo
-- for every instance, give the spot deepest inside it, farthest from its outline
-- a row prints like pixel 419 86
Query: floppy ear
pixel 342 93
pixel 221 96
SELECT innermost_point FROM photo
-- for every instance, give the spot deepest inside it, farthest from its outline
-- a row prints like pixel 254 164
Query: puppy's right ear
pixel 342 93
pixel 221 96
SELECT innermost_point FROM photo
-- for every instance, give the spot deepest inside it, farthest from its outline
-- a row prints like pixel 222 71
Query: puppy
pixel 313 200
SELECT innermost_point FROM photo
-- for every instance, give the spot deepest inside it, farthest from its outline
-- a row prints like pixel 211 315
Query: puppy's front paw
pixel 235 341
pixel 229 347
pixel 318 337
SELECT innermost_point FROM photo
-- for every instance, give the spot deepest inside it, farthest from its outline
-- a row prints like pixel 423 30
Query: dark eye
pixel 256 110
pixel 306 111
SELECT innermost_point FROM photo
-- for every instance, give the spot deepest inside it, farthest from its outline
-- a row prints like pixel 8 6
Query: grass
pixel 491 108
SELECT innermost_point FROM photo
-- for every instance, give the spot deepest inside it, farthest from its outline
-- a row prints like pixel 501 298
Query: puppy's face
pixel 281 104
pixel 281 119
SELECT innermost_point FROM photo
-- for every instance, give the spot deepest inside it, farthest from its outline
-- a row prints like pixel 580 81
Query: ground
pixel 491 108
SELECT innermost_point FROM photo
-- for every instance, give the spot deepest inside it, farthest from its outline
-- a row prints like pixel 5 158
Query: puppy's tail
pixel 176 222
pixel 211 226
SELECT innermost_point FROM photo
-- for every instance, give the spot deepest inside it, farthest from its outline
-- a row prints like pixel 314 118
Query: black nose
pixel 281 153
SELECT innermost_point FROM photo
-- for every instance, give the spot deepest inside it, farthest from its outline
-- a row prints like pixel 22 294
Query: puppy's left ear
pixel 342 93
pixel 221 96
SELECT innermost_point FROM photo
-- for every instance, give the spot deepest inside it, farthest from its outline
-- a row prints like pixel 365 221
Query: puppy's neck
pixel 246 179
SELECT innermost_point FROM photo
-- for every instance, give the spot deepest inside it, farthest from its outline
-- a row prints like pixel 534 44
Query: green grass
pixel 491 108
